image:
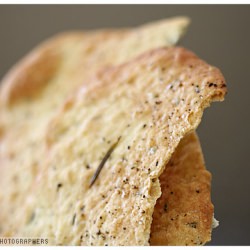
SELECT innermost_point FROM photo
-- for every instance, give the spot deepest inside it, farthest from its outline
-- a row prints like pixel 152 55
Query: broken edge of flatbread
pixel 183 214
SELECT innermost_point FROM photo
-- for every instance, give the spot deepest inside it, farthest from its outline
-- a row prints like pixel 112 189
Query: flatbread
pixel 71 55
pixel 33 90
pixel 149 104
pixel 183 214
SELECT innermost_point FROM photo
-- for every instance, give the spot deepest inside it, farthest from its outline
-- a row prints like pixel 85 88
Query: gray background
pixel 219 34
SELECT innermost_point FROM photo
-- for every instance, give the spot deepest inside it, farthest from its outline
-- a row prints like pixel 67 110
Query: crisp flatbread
pixel 33 89
pixel 44 179
pixel 143 107
pixel 183 214
pixel 69 56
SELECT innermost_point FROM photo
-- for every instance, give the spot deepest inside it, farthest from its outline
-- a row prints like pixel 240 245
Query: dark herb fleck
pixel 197 191
pixel 192 224
pixel 128 147
pixel 158 102
pixel 59 185
pixel 125 180
pixel 165 207
pixel 74 219
pixel 94 177
pixel 156 164
pixel 32 217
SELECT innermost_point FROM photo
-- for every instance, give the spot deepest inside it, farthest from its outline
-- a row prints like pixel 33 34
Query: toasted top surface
pixel 151 102
pixel 183 214
pixel 33 89
pixel 69 56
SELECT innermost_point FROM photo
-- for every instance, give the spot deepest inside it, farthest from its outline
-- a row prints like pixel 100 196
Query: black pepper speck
pixel 165 207
pixel 59 185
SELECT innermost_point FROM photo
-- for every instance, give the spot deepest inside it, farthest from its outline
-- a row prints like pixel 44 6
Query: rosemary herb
pixel 105 158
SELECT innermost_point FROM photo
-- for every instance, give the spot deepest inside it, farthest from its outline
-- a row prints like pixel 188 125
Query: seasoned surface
pixel 33 90
pixel 183 214
pixel 151 102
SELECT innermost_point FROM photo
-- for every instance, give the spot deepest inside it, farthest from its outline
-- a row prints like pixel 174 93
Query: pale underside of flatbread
pixel 183 214
pixel 33 90
pixel 150 103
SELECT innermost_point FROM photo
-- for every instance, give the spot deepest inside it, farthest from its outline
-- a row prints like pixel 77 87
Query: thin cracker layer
pixel 35 88
pixel 183 214
pixel 151 103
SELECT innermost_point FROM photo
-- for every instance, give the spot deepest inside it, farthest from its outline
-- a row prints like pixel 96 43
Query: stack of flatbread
pixel 98 142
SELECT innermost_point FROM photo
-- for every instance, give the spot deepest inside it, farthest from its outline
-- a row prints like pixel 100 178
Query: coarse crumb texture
pixel 150 103
pixel 33 89
pixel 184 212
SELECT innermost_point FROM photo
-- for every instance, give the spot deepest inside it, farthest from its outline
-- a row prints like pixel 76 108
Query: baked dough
pixel 138 103
pixel 51 147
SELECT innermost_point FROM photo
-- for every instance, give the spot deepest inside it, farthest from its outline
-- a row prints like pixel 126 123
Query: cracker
pixel 62 61
pixel 33 89
pixel 183 214
pixel 151 102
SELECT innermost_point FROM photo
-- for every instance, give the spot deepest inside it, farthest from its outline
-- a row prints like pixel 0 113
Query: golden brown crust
pixel 183 214
pixel 30 75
